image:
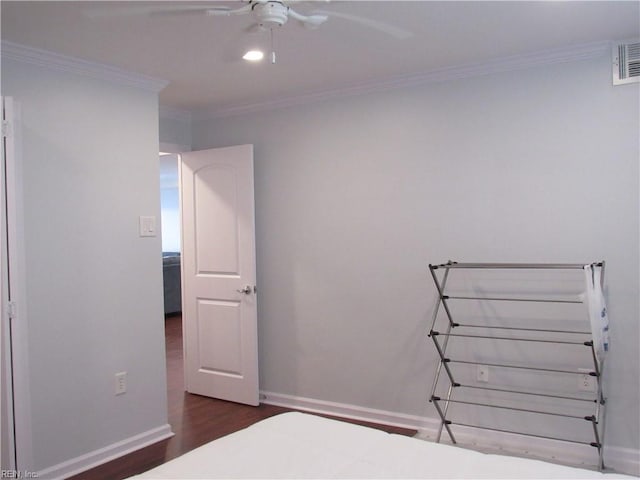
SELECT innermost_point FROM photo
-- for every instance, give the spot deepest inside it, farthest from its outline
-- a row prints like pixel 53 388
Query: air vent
pixel 626 62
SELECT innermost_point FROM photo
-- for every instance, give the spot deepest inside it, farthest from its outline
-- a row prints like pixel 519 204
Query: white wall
pixel 174 128
pixel 355 196
pixel 94 288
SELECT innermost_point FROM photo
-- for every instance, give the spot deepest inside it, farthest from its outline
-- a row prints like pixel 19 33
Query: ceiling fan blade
pixel 222 11
pixel 138 10
pixel 310 21
pixel 392 30
pixel 183 12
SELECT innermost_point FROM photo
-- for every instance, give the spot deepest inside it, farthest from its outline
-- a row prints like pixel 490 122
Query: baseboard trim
pixel 103 455
pixel 621 460
pixel 345 410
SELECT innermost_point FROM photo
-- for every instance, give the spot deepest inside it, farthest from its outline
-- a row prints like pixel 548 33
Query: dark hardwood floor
pixel 195 420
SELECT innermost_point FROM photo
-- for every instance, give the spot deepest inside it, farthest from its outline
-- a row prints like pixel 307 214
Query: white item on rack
pixel 597 311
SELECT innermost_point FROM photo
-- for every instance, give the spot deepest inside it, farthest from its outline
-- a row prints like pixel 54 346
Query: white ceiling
pixel 200 55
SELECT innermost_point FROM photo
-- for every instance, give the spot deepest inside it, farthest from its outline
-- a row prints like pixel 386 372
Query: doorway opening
pixel 170 221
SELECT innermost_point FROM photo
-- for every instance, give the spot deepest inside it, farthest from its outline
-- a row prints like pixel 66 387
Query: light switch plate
pixel 147 226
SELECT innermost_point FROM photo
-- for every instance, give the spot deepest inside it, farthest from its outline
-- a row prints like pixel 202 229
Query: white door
pixel 219 310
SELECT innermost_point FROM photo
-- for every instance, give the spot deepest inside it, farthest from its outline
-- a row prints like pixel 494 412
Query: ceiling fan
pixel 270 13
pixel 267 14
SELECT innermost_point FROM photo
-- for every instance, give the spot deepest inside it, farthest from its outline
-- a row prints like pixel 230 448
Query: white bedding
pixel 297 445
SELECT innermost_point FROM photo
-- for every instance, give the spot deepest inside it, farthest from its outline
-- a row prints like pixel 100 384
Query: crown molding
pixel 64 63
pixel 501 65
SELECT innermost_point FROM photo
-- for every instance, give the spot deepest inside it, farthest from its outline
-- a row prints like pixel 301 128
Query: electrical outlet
pixel 587 382
pixel 482 373
pixel 121 383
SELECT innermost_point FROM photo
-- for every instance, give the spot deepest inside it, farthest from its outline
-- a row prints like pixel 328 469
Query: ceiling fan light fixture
pixel 253 56
pixel 271 13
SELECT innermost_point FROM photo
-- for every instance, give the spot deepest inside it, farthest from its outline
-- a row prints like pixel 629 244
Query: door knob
pixel 246 290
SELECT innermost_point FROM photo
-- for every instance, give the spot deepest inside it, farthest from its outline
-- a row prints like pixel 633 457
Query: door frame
pixel 7 438
pixel 172 148
pixel 177 149
pixel 16 381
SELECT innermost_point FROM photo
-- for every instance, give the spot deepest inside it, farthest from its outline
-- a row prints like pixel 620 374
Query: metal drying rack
pixel 442 339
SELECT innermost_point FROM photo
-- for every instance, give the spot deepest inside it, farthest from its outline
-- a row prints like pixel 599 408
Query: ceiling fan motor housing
pixel 271 14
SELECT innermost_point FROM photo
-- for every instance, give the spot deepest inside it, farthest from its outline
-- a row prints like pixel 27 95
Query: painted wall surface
pixel 174 128
pixel 355 196
pixel 94 287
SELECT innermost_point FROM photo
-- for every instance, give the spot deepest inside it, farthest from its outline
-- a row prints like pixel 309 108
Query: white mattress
pixel 297 445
